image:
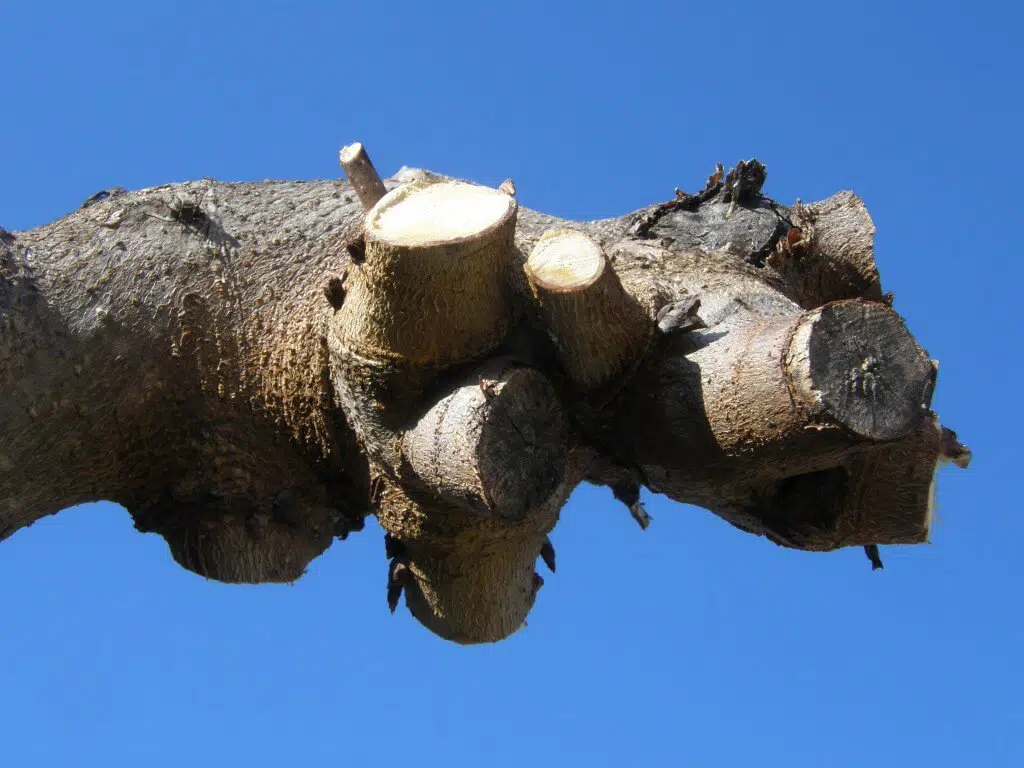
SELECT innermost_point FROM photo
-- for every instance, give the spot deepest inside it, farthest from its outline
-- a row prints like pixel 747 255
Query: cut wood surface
pixel 253 369
pixel 600 331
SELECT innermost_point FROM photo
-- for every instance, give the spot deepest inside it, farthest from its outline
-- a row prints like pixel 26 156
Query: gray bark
pixel 172 350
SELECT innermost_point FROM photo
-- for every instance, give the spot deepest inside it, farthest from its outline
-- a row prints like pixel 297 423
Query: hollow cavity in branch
pixel 881 496
pixel 598 328
pixel 361 173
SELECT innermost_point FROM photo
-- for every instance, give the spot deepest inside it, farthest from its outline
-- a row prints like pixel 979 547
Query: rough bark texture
pixel 251 372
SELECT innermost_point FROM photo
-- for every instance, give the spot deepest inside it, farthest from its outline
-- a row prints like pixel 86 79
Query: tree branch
pixel 214 358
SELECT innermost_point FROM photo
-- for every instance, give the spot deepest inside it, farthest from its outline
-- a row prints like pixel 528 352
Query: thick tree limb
pixel 224 361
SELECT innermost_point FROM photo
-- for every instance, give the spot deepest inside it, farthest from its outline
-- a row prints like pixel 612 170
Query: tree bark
pixel 252 369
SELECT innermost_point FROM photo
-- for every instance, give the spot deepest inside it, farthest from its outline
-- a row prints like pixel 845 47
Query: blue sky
pixel 691 644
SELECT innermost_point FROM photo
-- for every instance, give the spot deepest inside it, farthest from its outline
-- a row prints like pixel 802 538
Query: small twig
pixel 361 173
pixel 398 575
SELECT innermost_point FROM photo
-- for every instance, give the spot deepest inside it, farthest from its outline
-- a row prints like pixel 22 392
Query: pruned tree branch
pixel 251 369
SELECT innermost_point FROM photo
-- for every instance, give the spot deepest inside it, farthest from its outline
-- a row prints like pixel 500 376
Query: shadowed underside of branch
pixel 252 369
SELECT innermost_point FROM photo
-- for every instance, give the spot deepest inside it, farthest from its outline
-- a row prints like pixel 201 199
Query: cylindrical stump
pixel 859 363
pixel 468 578
pixel 496 446
pixel 480 598
pixel 794 395
pixel 433 289
pixel 598 328
pixel 759 418
pixel 829 254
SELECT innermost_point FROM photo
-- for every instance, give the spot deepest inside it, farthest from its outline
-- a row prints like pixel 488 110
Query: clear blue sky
pixel 691 644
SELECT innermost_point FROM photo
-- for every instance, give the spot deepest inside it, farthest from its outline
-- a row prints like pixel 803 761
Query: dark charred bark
pixel 225 362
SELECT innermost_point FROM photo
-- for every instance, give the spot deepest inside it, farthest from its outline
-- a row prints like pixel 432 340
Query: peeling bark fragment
pixel 629 494
pixel 871 550
pixel 547 554
pixel 393 547
pixel 680 316
pixel 645 221
pixel 744 182
pixel 103 194
pixel 639 513
pixel 953 450
pixel 347 524
pixel 398 573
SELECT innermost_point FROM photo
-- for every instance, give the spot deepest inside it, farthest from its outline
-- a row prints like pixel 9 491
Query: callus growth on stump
pixel 475 363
